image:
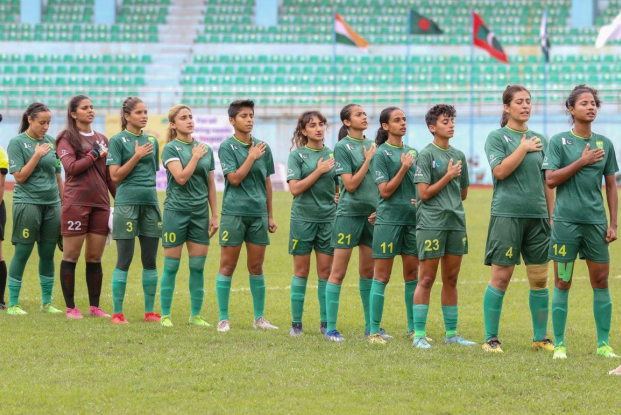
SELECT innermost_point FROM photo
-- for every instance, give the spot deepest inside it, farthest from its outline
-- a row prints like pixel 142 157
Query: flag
pixel 486 39
pixel 543 36
pixel 346 35
pixel 609 32
pixel 420 25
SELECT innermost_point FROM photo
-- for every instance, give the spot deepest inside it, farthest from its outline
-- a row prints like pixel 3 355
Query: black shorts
pixel 2 219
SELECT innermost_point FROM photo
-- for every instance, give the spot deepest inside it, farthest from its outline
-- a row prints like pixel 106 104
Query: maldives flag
pixel 486 39
pixel 420 25
pixel 348 36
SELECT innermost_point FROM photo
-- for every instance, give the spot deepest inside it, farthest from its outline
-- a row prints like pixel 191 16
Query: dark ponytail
pixel 346 115
pixel 382 135
pixel 32 112
pixel 573 97
pixel 71 131
pixel 507 97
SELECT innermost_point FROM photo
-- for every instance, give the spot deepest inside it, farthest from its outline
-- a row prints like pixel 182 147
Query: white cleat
pixel 262 323
pixel 224 326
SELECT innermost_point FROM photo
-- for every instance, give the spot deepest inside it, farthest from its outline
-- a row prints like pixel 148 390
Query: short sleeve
pixel 16 156
pixel 169 154
pixel 465 178
pixel 611 166
pixel 380 166
pixel 294 168
pixel 423 169
pixel 495 149
pixel 269 160
pixel 156 144
pixel 115 152
pixel 552 159
pixel 4 162
pixel 342 160
pixel 227 160
pixel 212 163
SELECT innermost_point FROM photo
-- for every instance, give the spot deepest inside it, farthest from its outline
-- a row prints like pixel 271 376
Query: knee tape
pixel 538 276
pixel 565 270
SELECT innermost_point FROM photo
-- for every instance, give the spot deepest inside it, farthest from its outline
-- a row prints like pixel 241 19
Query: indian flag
pixel 346 35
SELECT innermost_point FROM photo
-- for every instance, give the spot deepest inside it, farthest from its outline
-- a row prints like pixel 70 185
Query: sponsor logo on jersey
pixel 349 147
pixel 492 158
pixel 63 153
pixel 125 139
pixel 234 147
pixel 419 171
pixel 509 139
pixel 289 172
pixel 436 164
pixel 600 144
pixel 27 145
pixel 177 148
pixel 378 175
pixel 13 163
pixel 303 156
pixel 566 141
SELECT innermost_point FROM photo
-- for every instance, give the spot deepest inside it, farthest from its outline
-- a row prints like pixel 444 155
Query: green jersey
pixel 249 198
pixel 398 209
pixel 579 199
pixel 521 194
pixel 194 194
pixel 41 187
pixel 316 204
pixel 444 211
pixel 138 187
pixel 349 158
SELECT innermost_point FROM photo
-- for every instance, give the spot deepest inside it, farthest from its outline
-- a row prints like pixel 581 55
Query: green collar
pixel 33 139
pixel 390 145
pixel 356 139
pixel 314 149
pixel 184 142
pixel 583 138
pixel 135 135
pixel 516 131
pixel 241 142
pixel 440 148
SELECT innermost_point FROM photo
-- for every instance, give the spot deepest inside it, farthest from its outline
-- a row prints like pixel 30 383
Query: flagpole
pixel 546 54
pixel 407 66
pixel 472 92
pixel 334 69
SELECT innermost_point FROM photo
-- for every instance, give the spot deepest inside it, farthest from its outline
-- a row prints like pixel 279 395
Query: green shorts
pixel 507 238
pixel 351 231
pixel 235 230
pixel 569 239
pixel 392 240
pixel 305 235
pixel 129 221
pixel 35 223
pixel 178 227
pixel 437 243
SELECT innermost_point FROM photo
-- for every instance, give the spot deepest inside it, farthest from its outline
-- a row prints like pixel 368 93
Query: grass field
pixel 49 364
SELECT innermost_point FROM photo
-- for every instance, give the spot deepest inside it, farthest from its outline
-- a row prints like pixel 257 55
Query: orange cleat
pixel 119 319
pixel 152 317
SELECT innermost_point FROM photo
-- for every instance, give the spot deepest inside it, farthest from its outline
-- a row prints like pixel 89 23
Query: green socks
pixel 333 293
pixel 420 320
pixel 450 314
pixel 119 281
pixel 538 301
pixel 602 309
pixel 46 270
pixel 149 287
pixel 16 271
pixel 298 292
pixel 223 292
pixel 197 283
pixel 321 295
pixel 365 295
pixel 559 315
pixel 167 286
pixel 492 307
pixel 257 288
pixel 410 287
pixel 377 305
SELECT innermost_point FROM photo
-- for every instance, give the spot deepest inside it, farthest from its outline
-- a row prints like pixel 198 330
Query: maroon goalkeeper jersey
pixel 87 181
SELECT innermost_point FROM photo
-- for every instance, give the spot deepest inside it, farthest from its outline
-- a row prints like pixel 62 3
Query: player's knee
pixel 450 280
pixel 426 281
pixel 323 272
pixel 599 279
pixel 301 271
pixel 255 268
pixel 537 276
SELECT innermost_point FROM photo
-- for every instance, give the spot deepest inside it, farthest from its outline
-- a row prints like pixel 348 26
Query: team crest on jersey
pixel 349 147
pixel 303 156
pixel 234 147
pixel 125 139
pixel 413 152
pixel 436 164
pixel 388 153
pixel 509 139
pixel 600 144
pixel 566 141
pixel 331 155
pixel 152 140
pixel 177 148
pixel 27 145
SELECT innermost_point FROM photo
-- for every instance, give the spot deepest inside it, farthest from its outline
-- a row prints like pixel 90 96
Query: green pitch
pixel 49 364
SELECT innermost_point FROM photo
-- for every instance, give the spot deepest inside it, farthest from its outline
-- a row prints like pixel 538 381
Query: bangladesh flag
pixel 348 36
pixel 486 39
pixel 420 25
